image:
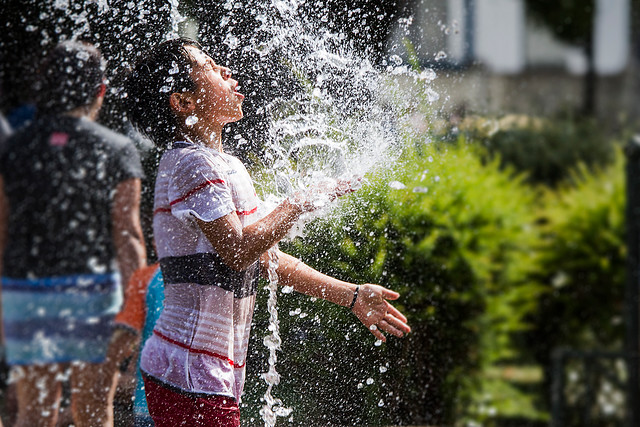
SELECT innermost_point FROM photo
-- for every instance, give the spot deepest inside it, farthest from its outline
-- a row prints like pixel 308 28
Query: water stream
pixel 273 406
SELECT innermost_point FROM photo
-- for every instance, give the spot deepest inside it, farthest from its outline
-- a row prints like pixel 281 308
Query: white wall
pixel 456 39
pixel 499 35
pixel 612 35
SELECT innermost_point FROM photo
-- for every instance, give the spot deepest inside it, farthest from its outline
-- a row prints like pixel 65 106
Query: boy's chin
pixel 239 115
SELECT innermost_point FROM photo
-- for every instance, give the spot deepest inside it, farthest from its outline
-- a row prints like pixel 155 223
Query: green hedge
pixel 494 274
pixel 547 150
pixel 582 264
pixel 456 242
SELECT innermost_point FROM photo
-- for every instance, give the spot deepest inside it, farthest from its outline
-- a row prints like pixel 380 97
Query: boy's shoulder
pixel 197 153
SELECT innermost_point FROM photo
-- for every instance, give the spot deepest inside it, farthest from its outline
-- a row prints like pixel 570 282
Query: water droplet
pixel 82 55
pixel 397 185
pixel 440 55
pixel 381 403
pixel 369 381
pixel 427 75
pixel 395 60
pixel 165 89
pixel 174 68
pixel 432 95
pixel 383 369
pixel 231 41
pixel 95 266
pixel 191 120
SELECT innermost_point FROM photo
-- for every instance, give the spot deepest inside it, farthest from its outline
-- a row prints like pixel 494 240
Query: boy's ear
pixel 182 102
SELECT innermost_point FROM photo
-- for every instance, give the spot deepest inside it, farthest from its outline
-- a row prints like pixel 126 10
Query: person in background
pixel 69 236
pixel 213 239
pixel 145 295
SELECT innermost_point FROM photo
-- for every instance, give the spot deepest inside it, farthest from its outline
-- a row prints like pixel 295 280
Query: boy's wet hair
pixel 70 77
pixel 157 74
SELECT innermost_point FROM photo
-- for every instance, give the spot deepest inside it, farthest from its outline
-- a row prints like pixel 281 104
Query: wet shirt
pixel 199 344
pixel 60 174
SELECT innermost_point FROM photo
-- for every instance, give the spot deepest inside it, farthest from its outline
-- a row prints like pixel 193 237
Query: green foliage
pixel 493 273
pixel 582 264
pixel 547 150
pixel 456 243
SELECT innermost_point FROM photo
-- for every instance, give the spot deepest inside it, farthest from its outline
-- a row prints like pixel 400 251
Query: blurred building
pixel 492 57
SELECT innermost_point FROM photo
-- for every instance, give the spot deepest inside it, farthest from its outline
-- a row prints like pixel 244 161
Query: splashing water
pixel 176 19
pixel 340 124
pixel 273 407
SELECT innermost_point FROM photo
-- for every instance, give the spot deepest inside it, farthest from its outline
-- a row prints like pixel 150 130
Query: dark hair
pixel 70 77
pixel 163 70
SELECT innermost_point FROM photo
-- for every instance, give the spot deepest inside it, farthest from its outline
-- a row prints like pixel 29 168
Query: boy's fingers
pixel 397 323
pixel 389 294
pixel 388 327
pixel 376 333
pixel 396 313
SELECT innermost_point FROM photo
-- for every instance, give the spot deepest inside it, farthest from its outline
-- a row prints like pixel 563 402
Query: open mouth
pixel 236 93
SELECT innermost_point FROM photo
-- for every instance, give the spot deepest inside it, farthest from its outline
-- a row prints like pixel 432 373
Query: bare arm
pixel 371 305
pixel 131 255
pixel 240 247
pixel 127 232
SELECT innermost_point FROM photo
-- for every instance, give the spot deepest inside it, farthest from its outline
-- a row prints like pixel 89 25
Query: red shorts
pixel 170 408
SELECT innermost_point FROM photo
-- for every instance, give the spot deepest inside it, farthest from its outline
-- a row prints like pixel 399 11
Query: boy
pixel 212 239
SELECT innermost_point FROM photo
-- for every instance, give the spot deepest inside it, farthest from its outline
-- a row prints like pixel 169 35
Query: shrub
pixel 454 237
pixel 582 264
pixel 547 150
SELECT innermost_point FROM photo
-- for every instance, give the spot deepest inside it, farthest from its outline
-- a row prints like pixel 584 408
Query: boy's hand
pixel 375 312
pixel 318 195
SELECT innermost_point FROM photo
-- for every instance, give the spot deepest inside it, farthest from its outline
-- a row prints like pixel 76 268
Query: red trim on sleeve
pixel 254 210
pixel 198 188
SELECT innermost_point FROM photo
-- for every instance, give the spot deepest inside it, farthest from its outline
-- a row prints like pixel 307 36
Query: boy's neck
pixel 209 136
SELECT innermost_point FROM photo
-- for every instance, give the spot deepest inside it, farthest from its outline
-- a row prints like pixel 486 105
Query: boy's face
pixel 217 97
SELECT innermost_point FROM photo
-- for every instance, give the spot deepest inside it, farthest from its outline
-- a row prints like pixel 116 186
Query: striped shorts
pixel 59 319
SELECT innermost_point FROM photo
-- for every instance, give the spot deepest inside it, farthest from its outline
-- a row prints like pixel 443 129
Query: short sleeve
pixel 198 187
pixel 127 162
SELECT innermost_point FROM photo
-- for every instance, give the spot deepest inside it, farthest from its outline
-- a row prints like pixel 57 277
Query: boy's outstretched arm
pixel 370 306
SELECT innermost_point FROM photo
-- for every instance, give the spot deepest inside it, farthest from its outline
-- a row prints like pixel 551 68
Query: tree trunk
pixel 590 79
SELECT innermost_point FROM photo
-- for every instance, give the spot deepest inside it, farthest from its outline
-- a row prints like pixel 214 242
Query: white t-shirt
pixel 199 344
